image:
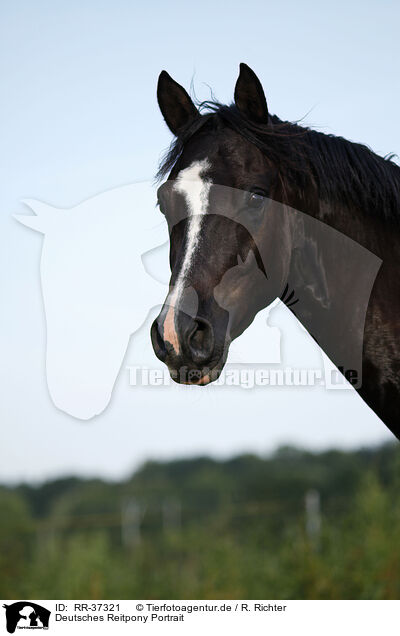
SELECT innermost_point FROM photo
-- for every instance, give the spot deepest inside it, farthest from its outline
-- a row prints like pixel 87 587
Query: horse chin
pixel 195 377
pixel 204 380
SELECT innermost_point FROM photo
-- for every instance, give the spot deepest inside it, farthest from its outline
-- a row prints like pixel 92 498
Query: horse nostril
pixel 200 341
pixel 157 341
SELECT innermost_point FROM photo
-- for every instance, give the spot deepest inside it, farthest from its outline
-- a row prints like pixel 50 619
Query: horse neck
pixel 332 275
pixel 367 227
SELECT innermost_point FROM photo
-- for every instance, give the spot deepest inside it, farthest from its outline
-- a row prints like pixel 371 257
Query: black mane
pixel 345 172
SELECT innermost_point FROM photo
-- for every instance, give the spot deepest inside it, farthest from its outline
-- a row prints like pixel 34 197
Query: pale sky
pixel 79 116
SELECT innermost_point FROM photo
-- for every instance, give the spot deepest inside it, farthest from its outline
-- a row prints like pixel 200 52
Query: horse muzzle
pixel 191 347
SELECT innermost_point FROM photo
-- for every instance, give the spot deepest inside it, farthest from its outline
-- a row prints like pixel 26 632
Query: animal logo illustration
pixel 104 267
pixel 104 270
pixel 25 615
pixel 95 288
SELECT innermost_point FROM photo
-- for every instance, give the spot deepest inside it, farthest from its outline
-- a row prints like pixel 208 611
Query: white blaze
pixel 195 188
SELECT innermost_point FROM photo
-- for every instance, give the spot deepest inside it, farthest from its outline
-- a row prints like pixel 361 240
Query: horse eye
pixel 256 200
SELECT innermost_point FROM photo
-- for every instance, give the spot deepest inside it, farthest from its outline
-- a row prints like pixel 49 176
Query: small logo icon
pixel 26 615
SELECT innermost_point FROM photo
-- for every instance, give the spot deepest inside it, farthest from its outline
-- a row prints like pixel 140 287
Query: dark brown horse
pixel 241 186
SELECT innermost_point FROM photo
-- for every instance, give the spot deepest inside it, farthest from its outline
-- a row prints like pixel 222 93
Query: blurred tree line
pixel 294 525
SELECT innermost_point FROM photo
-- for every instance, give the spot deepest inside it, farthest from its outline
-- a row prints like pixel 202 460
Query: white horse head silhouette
pixel 95 288
pixel 102 271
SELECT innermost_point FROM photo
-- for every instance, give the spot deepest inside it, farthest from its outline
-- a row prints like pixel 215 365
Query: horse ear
pixel 175 104
pixel 249 96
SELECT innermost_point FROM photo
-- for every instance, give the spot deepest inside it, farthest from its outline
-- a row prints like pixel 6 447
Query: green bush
pixel 207 529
